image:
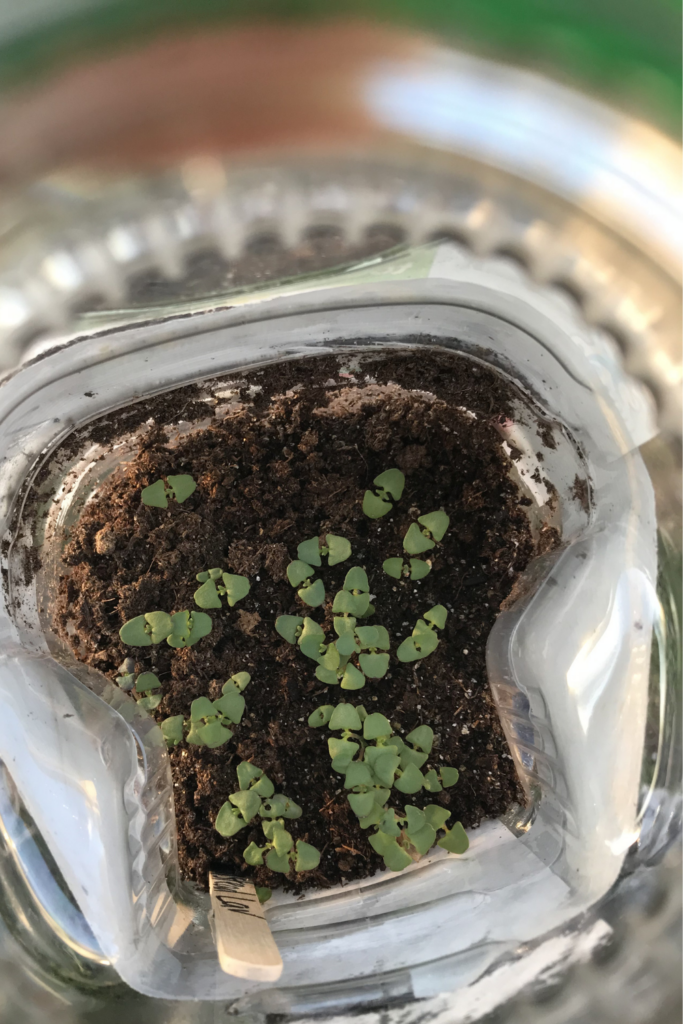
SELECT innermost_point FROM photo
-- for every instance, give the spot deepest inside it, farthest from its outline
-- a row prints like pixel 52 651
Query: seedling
pixel 179 487
pixel 388 484
pixel 354 599
pixel 424 639
pixel 373 640
pixel 335 549
pixel 289 627
pixel 256 796
pixel 188 628
pixel 279 853
pixel 210 720
pixel 172 729
pixel 237 682
pixel 402 839
pixel 312 592
pixel 216 584
pixel 150 702
pixel 434 526
pixel 146 683
pixel 414 569
pixel 145 630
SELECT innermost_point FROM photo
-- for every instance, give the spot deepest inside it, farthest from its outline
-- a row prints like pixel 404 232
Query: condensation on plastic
pixel 568 661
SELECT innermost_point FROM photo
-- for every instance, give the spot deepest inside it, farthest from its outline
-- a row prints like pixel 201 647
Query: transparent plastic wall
pixel 568 660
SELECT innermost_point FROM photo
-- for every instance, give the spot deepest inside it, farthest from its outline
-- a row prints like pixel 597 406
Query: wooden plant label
pixel 245 943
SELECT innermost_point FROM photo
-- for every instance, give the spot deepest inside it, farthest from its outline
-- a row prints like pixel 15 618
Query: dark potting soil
pixel 290 461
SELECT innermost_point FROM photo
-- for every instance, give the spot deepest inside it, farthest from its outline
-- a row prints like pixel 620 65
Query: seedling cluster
pixel 256 797
pixel 209 724
pixel 364 748
pixel 373 760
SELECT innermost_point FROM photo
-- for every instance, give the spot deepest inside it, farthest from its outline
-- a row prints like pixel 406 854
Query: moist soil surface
pixel 290 458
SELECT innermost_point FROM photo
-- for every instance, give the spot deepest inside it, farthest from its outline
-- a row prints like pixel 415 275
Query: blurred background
pixel 158 157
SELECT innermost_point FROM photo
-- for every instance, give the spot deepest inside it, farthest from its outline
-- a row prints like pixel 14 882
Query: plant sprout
pixel 373 639
pixel 210 720
pixel 402 839
pixel 146 683
pixel 256 796
pixel 424 639
pixel 414 569
pixel 172 730
pixel 388 484
pixel 312 592
pixel 188 628
pixel 289 627
pixel 417 540
pixel 335 549
pixel 280 853
pixel 179 487
pixel 211 590
pixel 373 761
pixel 145 630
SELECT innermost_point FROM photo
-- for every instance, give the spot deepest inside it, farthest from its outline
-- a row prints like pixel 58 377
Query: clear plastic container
pixel 568 660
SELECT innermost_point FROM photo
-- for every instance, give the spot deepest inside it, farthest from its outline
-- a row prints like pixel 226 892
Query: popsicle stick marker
pixel 245 944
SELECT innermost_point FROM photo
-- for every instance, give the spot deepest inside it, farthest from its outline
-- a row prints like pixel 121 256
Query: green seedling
pixel 354 599
pixel 145 630
pixel 237 683
pixel 424 639
pixel 444 778
pixel 320 716
pixel 172 730
pixel 402 839
pixel 455 840
pixel 150 702
pixel 146 682
pixel 387 485
pixel 335 549
pixel 188 628
pixel 210 721
pixel 263 893
pixel 373 640
pixel 414 569
pixel 422 740
pixel 312 592
pixel 179 487
pixel 289 627
pixel 279 852
pixel 216 584
pixel 434 526
pixel 256 796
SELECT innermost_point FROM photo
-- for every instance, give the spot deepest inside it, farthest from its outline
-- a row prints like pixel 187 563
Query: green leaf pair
pixel 424 639
pixel 216 584
pixel 417 541
pixel 279 853
pixel 335 549
pixel 179 487
pixel 388 484
pixel 312 592
pixel 179 630
pixel 415 569
pixel 146 683
pixel 210 720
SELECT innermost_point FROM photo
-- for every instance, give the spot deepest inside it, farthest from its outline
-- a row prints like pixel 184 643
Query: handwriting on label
pixel 244 942
pixel 236 894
